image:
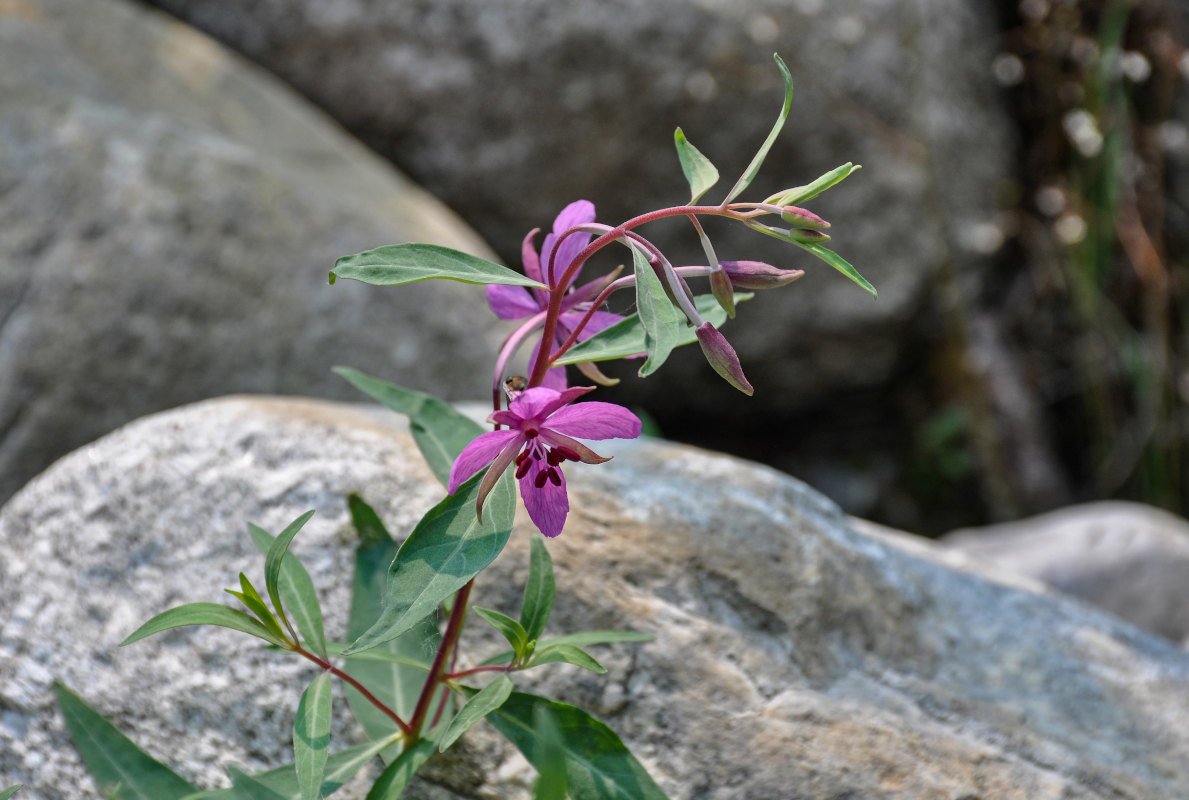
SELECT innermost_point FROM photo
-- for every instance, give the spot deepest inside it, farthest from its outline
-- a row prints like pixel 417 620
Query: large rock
pixel 795 656
pixel 169 217
pixel 1128 558
pixel 509 111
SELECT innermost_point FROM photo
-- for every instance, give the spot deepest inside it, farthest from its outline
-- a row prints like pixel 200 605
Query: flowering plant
pixel 538 422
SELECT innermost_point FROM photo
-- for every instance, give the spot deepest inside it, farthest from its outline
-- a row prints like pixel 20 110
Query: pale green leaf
pixel 701 174
pixel 204 614
pixel 395 264
pixel 395 778
pixel 480 704
pixel 287 580
pixel 447 548
pixel 566 654
pixel 311 737
pixel 662 321
pixel 757 161
pixel 538 590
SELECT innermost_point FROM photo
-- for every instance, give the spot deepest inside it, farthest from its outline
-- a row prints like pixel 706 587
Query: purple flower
pixel 517 302
pixel 540 423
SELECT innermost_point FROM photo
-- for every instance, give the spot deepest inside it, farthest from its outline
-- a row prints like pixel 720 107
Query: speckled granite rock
pixel 510 110
pixel 795 656
pixel 168 218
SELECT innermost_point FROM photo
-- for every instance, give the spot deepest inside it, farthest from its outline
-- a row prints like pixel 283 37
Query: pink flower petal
pixel 548 505
pixel 529 257
pixel 530 404
pixel 599 321
pixel 511 302
pixel 565 397
pixel 596 420
pixel 580 212
pixel 555 378
pixel 478 454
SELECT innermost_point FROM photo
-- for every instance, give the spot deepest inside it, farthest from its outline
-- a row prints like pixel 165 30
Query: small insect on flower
pixel 514 386
pixel 541 425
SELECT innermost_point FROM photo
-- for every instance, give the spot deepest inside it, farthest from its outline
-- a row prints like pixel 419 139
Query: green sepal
pixel 120 769
pixel 799 195
pixel 396 264
pixel 627 337
pixel 440 430
pixel 698 171
pixel 512 630
pixel 753 168
pixel 396 776
pixel 205 614
pixel 566 654
pixel 480 704
pixel 448 547
pixel 598 766
pixel 285 578
pixel 839 263
pixel 538 590
pixel 255 603
pixel 311 737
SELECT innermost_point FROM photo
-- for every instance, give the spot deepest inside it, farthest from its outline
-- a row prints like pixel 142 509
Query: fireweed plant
pixel 410 700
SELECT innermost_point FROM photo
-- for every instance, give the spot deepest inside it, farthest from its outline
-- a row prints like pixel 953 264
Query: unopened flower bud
pixel 724 293
pixel 722 358
pixel 800 218
pixel 806 236
pixel 756 275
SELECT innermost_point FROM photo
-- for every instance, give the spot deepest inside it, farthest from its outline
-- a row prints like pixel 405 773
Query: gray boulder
pixel 1128 558
pixel 168 217
pixel 794 657
pixel 508 111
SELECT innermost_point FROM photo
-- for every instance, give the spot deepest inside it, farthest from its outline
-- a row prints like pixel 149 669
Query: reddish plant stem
pixel 438 670
pixel 486 668
pixel 549 333
pixel 357 686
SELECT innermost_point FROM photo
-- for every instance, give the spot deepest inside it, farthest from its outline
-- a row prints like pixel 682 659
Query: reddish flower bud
pixel 758 275
pixel 722 358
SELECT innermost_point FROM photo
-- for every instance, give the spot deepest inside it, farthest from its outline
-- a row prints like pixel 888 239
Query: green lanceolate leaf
pixel 663 322
pixel 340 768
pixel 538 590
pixel 392 781
pixel 395 264
pixel 794 197
pixel 598 765
pixel 698 170
pixel 395 671
pixel 115 763
pixel 551 761
pixel 255 603
pixel 311 737
pixel 440 430
pixel 10 791
pixel 582 639
pixel 839 263
pixel 626 337
pixel 447 548
pixel 566 654
pixel 512 630
pixel 753 168
pixel 247 787
pixel 287 580
pixel 204 614
pixel 482 703
pixel 367 523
